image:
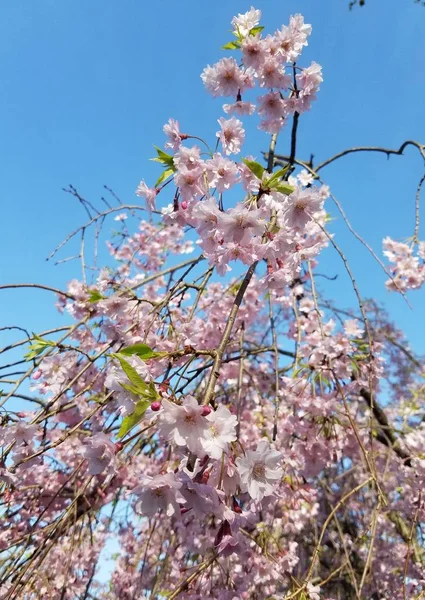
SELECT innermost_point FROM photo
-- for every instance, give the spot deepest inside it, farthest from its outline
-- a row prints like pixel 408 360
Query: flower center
pixel 259 470
pixel 190 419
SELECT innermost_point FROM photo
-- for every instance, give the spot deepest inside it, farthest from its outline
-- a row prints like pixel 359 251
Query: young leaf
pixel 132 420
pixel 164 175
pixel 254 167
pixel 149 393
pixel 153 393
pixel 138 384
pixel 33 352
pixel 163 157
pixel 95 296
pixel 284 188
pixel 256 30
pixel 37 347
pixel 276 177
pixel 141 350
pixel 231 46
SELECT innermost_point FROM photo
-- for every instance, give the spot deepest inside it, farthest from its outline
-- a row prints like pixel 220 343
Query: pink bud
pixel 21 415
pixel 37 374
pixel 118 447
pixel 184 205
pixel 206 410
pixel 236 508
pixel 155 406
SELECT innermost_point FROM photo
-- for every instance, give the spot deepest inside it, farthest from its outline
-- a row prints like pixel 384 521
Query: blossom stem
pixel 209 392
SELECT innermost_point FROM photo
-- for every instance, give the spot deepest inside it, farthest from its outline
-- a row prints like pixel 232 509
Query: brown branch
pixel 386 436
pixel 39 286
pixel 209 392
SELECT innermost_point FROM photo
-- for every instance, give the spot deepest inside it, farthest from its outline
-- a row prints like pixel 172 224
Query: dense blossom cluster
pixel 233 439
pixel 408 270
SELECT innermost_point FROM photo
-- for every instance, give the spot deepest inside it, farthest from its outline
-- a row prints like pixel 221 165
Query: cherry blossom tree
pixel 211 422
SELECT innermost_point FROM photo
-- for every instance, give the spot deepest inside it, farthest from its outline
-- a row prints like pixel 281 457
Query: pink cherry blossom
pixel 301 206
pixel 231 135
pixel 161 492
pixel 239 108
pixel 239 224
pixel 222 173
pixel 271 106
pixel 183 424
pixel 244 22
pixel 149 194
pixel 99 451
pixel 175 137
pixel 259 470
pixel 225 78
pixel 272 74
pixel 254 51
pixel 190 182
pixel 220 432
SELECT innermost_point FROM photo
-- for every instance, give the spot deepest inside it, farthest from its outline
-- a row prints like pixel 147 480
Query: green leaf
pixel 256 30
pixel 231 46
pixel 254 167
pixel 37 347
pixel 149 394
pixel 143 351
pixel 164 175
pixel 163 158
pixel 139 386
pixel 132 420
pixel 284 188
pixel 130 388
pixel 276 177
pixel 95 296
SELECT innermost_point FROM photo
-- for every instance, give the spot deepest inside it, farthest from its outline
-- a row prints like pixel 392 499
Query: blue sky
pixel 88 85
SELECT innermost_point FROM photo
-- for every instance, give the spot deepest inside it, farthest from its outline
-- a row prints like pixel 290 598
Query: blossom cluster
pixel 407 270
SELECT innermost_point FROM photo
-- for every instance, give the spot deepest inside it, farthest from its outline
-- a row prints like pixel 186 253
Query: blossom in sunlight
pixel 259 470
pixel 183 424
pixel 231 135
pixel 220 432
pixel 161 492
pixel 99 450
pixel 149 194
pixel 244 22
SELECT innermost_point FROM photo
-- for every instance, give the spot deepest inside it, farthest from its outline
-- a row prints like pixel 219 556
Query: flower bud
pixel 206 410
pixel 37 374
pixel 184 204
pixel 155 406
pixel 236 508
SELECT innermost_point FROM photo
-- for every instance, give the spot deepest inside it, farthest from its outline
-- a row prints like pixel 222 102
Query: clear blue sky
pixel 88 84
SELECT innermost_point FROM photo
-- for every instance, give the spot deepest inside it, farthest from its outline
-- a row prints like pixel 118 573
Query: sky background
pixel 87 86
